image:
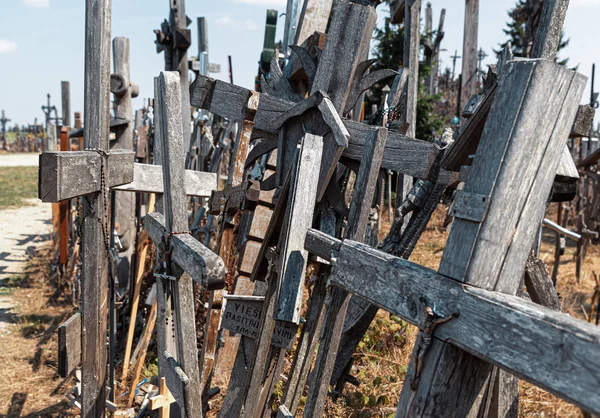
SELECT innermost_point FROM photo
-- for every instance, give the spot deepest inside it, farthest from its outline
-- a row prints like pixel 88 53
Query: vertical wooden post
pixel 94 251
pixel 63 208
pixel 469 60
pixel 65 90
pixel 125 201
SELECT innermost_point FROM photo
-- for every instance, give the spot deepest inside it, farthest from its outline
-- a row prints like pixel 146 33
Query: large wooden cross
pixel 182 258
pixel 497 215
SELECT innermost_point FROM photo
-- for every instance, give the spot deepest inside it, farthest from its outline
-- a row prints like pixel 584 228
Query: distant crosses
pixel 469 63
pixel 454 58
pixel 48 109
pixel 3 121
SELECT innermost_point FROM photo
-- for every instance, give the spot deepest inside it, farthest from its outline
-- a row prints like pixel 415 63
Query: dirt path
pixel 23 230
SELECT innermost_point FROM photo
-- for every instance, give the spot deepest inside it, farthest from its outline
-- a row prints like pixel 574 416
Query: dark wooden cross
pixel 181 258
pixel 173 39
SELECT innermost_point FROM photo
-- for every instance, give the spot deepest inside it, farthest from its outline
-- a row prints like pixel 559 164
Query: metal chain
pixel 84 207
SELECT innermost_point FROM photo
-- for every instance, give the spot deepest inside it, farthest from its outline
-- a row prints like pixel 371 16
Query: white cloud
pixel 228 22
pixel 584 3
pixel 37 3
pixel 6 47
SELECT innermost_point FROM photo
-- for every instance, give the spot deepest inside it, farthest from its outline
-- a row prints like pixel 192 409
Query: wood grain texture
pixel 69 345
pixel 148 178
pixel 547 37
pixel 403 154
pixel 335 311
pixel 64 175
pixel 313 18
pixel 410 61
pixel 539 286
pixel 469 55
pixel 496 327
pixel 174 200
pixel 94 303
pixel 526 102
pixel 303 193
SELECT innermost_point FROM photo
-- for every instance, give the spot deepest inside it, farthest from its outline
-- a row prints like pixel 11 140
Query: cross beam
pixel 548 348
pixel 402 154
pixel 65 175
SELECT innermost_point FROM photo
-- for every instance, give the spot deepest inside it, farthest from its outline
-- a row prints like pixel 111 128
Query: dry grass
pixel 17 184
pixel 29 382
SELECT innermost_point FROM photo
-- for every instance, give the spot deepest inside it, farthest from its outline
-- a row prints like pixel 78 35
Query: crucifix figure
pixel 181 259
pixel 48 109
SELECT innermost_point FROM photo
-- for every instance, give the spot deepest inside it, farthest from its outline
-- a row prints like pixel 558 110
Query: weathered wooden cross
pixel 497 215
pixel 183 258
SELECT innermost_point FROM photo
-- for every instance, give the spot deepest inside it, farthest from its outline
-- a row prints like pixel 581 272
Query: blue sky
pixel 42 42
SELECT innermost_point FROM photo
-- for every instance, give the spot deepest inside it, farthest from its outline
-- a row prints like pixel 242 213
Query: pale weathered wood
pixel 496 327
pixel 313 18
pixel 546 108
pixel 94 304
pixel 301 203
pixel 69 345
pixel 539 286
pixel 547 37
pixel 149 179
pixel 124 202
pixel 410 61
pixel 175 222
pixel 64 175
pixel 469 55
pixel 534 96
pixel 335 311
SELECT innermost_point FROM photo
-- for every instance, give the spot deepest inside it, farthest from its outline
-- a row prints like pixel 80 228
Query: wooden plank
pixel 94 304
pixel 249 256
pixel 563 360
pixel 584 122
pixel 300 210
pixel 539 286
pixel 201 263
pixel 533 96
pixel 313 18
pixel 174 201
pixel 335 311
pixel 547 37
pixel 403 154
pixel 148 179
pixel 546 108
pixel 65 175
pixel 69 345
pixel 469 55
pixel 412 40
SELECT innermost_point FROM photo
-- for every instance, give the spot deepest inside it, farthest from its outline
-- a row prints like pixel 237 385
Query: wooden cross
pixel 182 258
pixel 173 38
pixel 480 254
pixel 163 400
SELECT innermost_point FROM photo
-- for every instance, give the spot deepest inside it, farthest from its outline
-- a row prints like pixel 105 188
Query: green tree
pixel 389 50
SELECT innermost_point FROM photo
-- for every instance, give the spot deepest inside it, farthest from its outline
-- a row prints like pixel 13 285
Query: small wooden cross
pixel 163 400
